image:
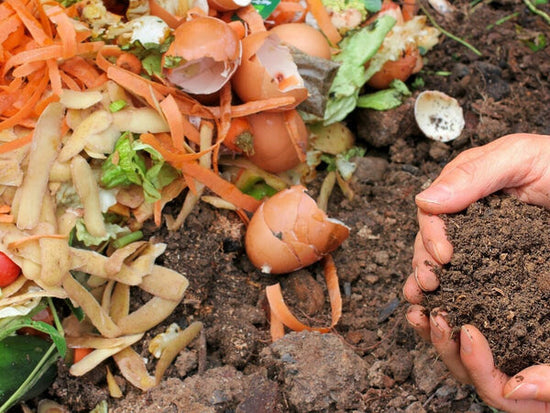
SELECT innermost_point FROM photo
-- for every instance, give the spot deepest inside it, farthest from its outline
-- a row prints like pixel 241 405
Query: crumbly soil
pixel 372 361
pixel 499 279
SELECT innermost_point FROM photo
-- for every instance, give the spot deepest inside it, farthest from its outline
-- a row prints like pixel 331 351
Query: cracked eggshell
pixel 267 71
pixel 210 52
pixel 289 232
pixel 438 116
pixel 279 139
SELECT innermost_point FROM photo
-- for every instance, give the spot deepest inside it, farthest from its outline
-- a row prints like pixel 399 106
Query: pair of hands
pixel 518 164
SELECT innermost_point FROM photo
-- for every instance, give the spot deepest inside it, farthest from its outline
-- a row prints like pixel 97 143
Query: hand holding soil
pixel 516 164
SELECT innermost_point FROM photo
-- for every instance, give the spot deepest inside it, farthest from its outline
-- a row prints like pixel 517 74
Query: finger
pixel 504 163
pixel 434 237
pixel 417 318
pixel 477 358
pixel 411 291
pixel 447 347
pixel 531 383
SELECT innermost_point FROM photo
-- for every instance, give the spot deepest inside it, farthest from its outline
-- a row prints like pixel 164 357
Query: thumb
pixel 478 172
pixel 531 383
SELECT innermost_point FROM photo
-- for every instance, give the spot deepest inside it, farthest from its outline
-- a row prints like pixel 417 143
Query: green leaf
pixel 127 165
pixel 112 232
pixel 385 99
pixel 357 49
pixel 13 324
pixel 117 105
pixel 373 5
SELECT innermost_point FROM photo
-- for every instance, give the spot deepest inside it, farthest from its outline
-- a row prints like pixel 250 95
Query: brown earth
pixel 498 279
pixel 372 361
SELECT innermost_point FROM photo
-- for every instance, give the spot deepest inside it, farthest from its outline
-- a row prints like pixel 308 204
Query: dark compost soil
pixel 372 361
pixel 499 279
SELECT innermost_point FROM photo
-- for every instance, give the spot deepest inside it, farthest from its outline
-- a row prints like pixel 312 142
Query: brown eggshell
pixel 280 140
pixel 210 52
pixel 289 232
pixel 303 37
pixel 267 71
pixel 228 5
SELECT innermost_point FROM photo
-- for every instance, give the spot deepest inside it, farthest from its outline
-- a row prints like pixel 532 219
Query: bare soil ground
pixel 372 361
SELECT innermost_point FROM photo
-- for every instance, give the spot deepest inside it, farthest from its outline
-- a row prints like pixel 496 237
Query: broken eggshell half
pixel 267 71
pixel 289 231
pixel 438 116
pixel 204 55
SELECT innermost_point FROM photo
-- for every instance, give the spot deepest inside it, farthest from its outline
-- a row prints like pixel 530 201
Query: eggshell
pixel 305 38
pixel 289 232
pixel 280 140
pixel 210 52
pixel 267 71
pixel 438 116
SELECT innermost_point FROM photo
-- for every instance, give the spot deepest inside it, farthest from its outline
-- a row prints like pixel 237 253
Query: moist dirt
pixel 499 279
pixel 372 361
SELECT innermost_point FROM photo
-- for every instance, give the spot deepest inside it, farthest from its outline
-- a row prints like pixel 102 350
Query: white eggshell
pixel 438 116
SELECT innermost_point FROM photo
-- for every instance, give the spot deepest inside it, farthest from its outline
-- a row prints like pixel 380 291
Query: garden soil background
pixel 372 361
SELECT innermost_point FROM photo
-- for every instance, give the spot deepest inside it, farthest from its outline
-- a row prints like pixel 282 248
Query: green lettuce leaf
pixel 128 164
pixel 385 99
pixel 112 232
pixel 357 49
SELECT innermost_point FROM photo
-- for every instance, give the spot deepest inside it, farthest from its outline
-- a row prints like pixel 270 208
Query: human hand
pixel 519 165
pixel 470 360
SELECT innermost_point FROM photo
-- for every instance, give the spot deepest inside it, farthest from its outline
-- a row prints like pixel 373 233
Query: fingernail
pixel 415 274
pixel 523 391
pixel 437 332
pixel 466 345
pixel 432 247
pixel 434 195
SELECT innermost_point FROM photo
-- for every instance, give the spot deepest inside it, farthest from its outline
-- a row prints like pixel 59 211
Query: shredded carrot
pixel 7 219
pixel 288 12
pixel 237 128
pixel 159 11
pixel 282 314
pixel 157 211
pixel 322 17
pixel 40 106
pixel 5 209
pixel 22 241
pixel 80 352
pixel 252 18
pixel 238 27
pixel 174 119
pixel 409 9
pixel 55 77
pixel 28 106
pixel 294 134
pixel 288 82
pixel 129 62
pixel 81 70
pixel 34 27
pixel 65 29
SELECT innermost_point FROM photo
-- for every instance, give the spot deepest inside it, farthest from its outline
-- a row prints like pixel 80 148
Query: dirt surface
pixel 497 279
pixel 372 361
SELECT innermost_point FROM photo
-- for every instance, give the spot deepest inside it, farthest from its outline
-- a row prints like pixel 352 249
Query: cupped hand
pixel 469 358
pixel 518 164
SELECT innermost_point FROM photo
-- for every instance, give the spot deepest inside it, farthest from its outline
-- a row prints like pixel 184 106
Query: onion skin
pixel 289 232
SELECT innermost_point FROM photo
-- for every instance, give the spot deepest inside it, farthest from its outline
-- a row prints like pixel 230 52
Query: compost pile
pixel 371 360
pixel 499 280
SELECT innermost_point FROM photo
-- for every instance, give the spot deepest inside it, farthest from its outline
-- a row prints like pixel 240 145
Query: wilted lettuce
pixel 133 162
pixel 356 50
